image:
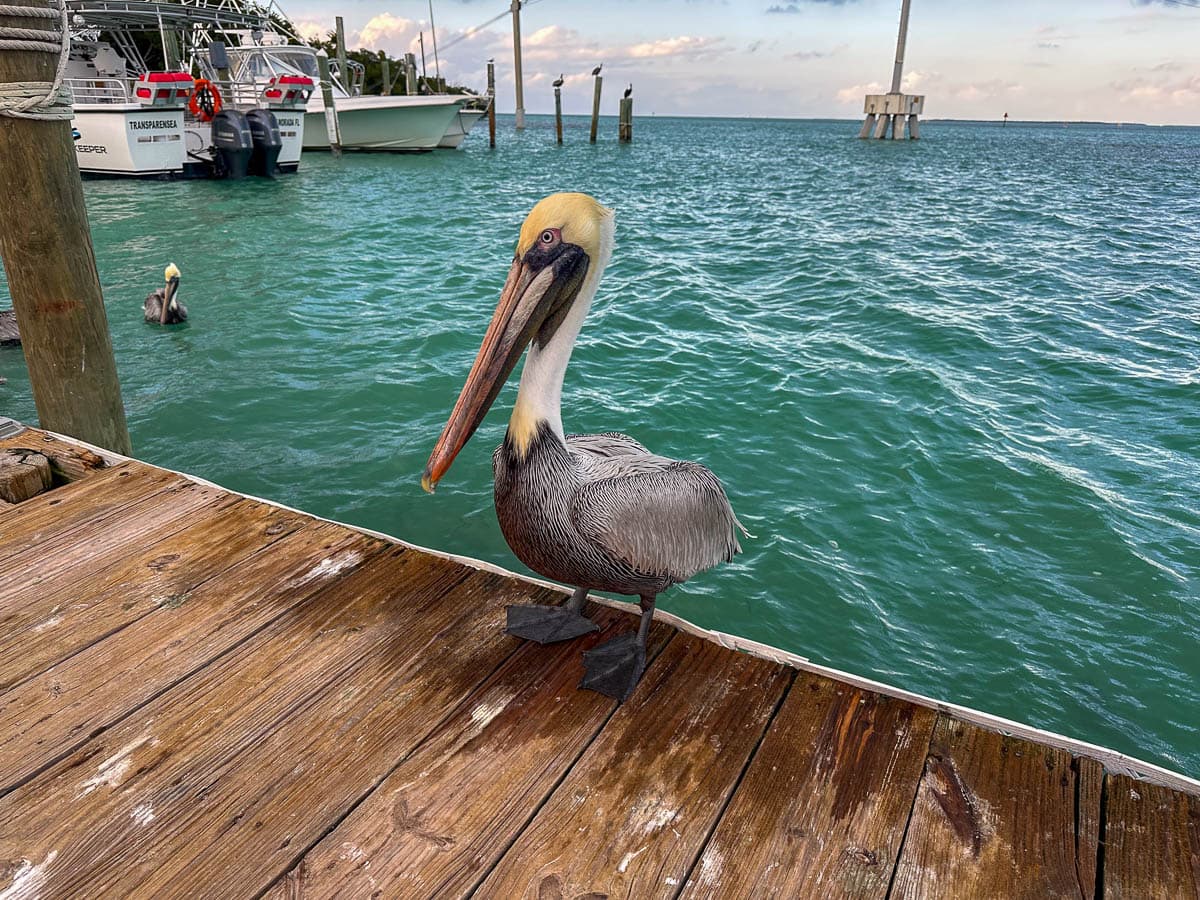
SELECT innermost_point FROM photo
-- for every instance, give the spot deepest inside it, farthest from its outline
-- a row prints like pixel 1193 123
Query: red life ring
pixel 206 100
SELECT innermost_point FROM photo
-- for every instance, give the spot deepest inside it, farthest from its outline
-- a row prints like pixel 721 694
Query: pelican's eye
pixel 549 236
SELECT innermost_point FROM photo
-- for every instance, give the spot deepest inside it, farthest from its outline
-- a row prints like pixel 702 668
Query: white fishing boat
pixel 365 122
pixel 135 120
pixel 461 126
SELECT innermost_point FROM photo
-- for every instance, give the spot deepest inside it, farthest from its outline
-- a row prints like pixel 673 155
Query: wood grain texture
pixel 634 812
pixel 219 589
pixel 1152 841
pixel 822 810
pixel 46 619
pixel 445 816
pixel 1089 785
pixel 67 461
pixel 23 474
pixel 994 817
pixel 244 765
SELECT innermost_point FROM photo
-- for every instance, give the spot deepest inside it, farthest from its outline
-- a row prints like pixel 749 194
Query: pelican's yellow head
pixel 565 239
pixel 171 271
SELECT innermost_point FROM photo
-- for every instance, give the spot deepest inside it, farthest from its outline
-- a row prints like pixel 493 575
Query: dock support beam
pixel 596 107
pixel 558 113
pixel 517 76
pixel 491 103
pixel 331 118
pixel 386 75
pixel 625 128
pixel 51 266
pixel 343 67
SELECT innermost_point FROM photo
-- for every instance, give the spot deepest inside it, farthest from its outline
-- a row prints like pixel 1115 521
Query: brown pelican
pixel 629 92
pixel 600 511
pixel 161 306
pixel 557 82
pixel 596 71
pixel 9 334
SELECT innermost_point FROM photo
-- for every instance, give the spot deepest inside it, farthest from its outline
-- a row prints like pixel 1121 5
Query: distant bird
pixel 596 511
pixel 162 307
pixel 596 71
pixel 629 92
pixel 8 327
pixel 558 82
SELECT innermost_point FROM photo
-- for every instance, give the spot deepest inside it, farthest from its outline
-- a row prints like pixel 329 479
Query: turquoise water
pixel 951 386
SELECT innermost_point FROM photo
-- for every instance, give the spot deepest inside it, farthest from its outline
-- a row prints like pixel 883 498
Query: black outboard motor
pixel 232 143
pixel 264 130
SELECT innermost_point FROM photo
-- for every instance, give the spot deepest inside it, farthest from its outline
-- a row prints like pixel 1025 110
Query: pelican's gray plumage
pixel 600 511
pixel 596 71
pixel 9 334
pixel 629 92
pixel 162 306
pixel 558 82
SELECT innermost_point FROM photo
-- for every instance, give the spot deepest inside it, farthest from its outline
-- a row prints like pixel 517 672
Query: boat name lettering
pixel 141 124
pixel 90 148
pixel 292 122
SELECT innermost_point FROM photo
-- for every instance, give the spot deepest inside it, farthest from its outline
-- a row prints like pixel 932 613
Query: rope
pixel 46 100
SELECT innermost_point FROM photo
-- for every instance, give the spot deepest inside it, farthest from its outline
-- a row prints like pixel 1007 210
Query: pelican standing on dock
pixel 162 306
pixel 597 511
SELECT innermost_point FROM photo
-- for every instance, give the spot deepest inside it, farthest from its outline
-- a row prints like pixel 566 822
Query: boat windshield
pixel 263 63
pixel 304 63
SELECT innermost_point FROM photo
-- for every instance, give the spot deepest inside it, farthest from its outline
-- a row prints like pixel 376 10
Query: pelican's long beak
pixel 533 297
pixel 169 298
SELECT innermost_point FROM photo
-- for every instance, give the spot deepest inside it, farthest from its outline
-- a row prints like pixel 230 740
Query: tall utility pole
pixel 516 14
pixel 898 71
pixel 437 66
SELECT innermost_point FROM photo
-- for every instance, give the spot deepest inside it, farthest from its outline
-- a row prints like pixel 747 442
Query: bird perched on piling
pixel 596 71
pixel 162 306
pixel 557 82
pixel 629 92
pixel 596 511
pixel 8 327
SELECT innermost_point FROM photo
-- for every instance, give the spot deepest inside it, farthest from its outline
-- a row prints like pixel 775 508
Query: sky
pixel 1110 60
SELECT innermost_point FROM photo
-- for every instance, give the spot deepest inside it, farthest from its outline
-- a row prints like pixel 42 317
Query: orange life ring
pixel 205 101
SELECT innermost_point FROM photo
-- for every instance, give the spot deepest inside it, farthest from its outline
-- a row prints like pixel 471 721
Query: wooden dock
pixel 206 695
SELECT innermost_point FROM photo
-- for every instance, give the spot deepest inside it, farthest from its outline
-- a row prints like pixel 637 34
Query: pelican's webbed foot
pixel 548 624
pixel 615 667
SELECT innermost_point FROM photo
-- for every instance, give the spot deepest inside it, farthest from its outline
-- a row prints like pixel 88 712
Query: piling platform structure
pixel 205 694
pixel 894 112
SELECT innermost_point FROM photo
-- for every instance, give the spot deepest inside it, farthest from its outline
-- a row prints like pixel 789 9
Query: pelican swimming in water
pixel 596 511
pixel 162 306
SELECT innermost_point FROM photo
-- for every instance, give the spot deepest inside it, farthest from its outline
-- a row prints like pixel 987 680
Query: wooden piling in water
pixel 387 77
pixel 625 126
pixel 332 128
pixel 558 113
pixel 51 267
pixel 343 67
pixel 491 70
pixel 596 107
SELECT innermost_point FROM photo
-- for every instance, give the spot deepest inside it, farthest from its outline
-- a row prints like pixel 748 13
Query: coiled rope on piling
pixel 37 99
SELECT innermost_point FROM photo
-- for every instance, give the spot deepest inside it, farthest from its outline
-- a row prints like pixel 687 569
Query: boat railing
pixel 98 90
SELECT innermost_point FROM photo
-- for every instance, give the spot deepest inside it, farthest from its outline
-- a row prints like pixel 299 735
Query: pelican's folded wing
pixel 662 517
pixel 610 443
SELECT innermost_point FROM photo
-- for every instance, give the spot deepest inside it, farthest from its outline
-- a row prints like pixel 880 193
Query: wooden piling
pixel 558 113
pixel 386 73
pixel 51 267
pixel 596 108
pixel 343 66
pixel 625 127
pixel 332 128
pixel 491 70
pixel 518 78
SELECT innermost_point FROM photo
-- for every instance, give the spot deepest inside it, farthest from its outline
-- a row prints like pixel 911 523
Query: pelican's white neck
pixel 539 397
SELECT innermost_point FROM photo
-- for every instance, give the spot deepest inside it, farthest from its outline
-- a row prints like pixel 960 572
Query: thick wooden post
pixel 517 73
pixel 558 113
pixel 491 103
pixel 343 66
pixel 332 128
pixel 51 267
pixel 386 73
pixel 596 108
pixel 625 128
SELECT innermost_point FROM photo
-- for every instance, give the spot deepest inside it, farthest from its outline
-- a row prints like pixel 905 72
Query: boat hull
pixel 383 123
pixel 459 128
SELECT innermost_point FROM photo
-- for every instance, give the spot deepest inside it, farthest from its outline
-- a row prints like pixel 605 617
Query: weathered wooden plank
pixel 1151 841
pixel 23 474
pixel 636 809
pixel 1089 784
pixel 265 749
pixel 38 628
pixel 444 817
pixel 994 817
pixel 67 461
pixel 823 807
pixel 220 589
pixel 60 512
